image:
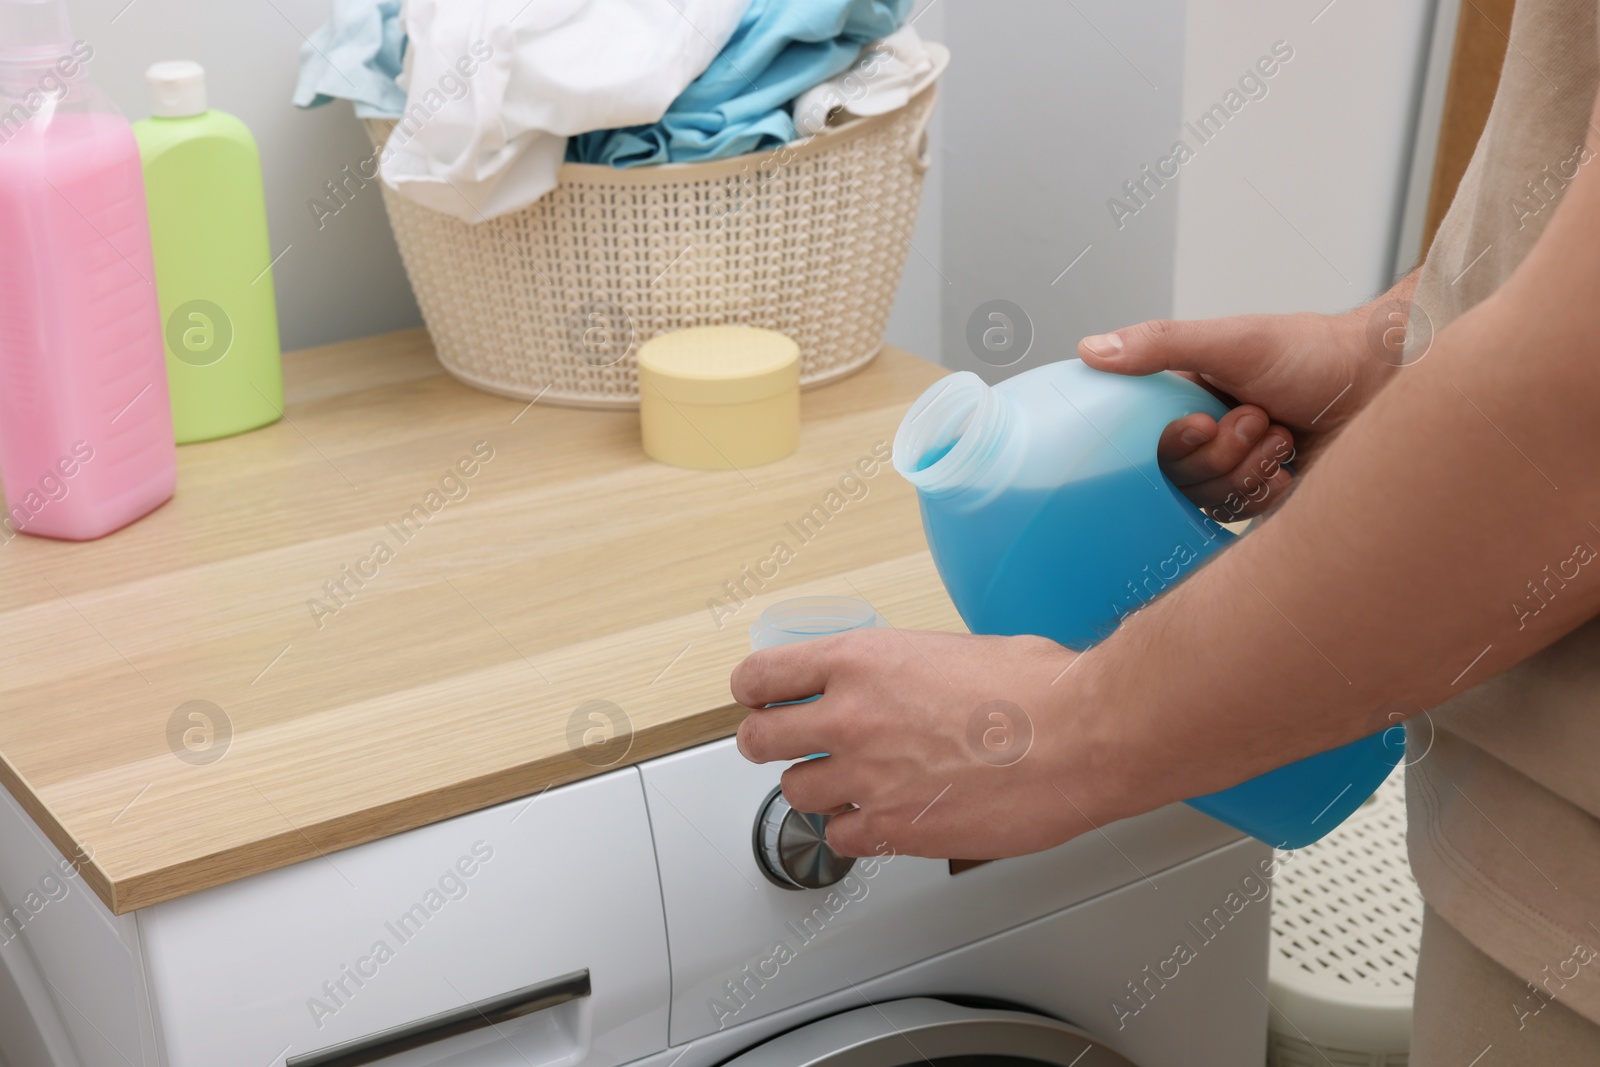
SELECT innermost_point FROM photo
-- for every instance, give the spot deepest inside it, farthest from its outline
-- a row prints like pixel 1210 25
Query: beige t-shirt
pixel 1504 790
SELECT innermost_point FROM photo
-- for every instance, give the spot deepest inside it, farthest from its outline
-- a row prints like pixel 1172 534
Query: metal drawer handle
pixel 503 1008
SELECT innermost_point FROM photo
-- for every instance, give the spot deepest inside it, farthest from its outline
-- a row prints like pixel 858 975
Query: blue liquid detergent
pixel 1047 513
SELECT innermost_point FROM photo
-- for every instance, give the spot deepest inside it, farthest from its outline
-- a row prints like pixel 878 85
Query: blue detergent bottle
pixel 1047 513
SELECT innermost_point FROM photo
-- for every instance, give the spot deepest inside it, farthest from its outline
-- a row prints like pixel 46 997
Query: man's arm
pixel 1448 533
pixel 1445 534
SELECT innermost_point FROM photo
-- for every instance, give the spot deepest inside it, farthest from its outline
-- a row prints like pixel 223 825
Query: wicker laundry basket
pixel 1346 928
pixel 552 302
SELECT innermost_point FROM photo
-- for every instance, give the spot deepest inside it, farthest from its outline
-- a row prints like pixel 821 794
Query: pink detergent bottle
pixel 86 443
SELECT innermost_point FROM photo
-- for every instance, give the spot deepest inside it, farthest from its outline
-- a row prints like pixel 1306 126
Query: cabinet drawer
pixel 405 930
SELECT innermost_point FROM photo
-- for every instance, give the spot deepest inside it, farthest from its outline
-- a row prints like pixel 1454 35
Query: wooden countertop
pixel 440 673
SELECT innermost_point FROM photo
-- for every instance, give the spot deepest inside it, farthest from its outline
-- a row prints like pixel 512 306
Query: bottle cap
pixel 177 89
pixel 719 397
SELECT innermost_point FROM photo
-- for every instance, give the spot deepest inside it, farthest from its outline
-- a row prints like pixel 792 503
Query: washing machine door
pixel 921 1032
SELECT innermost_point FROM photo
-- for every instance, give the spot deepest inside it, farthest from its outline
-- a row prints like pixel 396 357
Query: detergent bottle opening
pixel 950 435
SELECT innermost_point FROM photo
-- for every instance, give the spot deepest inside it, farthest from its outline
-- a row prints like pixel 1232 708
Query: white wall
pixel 342 281
pixel 1296 205
pixel 1049 108
pixel 915 324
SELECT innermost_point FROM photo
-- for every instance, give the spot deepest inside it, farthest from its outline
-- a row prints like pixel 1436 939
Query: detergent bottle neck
pixel 956 436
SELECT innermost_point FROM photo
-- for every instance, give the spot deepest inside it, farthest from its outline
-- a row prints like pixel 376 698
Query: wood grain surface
pixel 409 600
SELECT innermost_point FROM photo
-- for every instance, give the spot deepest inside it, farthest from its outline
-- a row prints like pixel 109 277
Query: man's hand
pixel 1295 378
pixel 947 745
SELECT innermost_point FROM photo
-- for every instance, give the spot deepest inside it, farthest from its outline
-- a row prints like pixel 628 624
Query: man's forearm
pixel 1442 538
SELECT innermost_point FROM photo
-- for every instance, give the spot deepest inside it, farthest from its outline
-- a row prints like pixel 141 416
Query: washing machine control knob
pixel 792 847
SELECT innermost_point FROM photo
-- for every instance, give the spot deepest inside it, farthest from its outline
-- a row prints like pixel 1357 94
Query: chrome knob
pixel 792 847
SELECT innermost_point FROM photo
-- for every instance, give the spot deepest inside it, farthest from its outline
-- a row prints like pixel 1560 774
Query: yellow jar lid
pixel 719 365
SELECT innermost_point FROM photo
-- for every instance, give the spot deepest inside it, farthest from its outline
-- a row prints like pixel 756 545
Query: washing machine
pixel 671 914
pixel 1143 943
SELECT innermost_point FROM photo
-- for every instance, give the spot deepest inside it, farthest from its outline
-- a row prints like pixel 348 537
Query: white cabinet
pixel 348 946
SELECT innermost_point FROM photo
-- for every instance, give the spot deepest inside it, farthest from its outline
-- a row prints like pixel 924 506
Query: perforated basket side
pixel 552 301
pixel 1346 928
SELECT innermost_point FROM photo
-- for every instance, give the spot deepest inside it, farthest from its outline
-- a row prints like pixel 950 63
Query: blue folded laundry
pixel 355 56
pixel 740 104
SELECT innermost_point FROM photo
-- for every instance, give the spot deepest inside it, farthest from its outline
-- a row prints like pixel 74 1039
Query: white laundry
pixel 480 144
pixel 884 79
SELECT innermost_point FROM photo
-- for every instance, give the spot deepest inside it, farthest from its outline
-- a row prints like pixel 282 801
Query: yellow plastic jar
pixel 719 397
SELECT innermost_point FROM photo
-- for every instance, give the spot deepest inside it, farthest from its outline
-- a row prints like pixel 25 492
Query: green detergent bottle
pixel 213 260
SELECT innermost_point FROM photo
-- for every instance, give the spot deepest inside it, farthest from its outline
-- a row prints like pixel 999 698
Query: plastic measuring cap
pixel 807 618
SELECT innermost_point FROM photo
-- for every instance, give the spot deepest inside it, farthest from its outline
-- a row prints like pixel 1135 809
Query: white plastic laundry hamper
pixel 1346 928
pixel 552 302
